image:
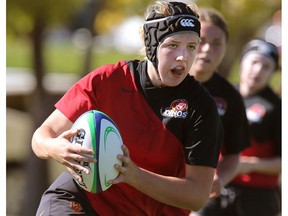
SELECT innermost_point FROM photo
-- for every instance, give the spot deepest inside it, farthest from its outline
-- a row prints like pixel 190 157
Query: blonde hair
pixel 161 7
pixel 211 15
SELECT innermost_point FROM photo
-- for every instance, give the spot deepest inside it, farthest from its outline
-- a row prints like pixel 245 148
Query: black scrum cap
pixel 262 47
pixel 158 27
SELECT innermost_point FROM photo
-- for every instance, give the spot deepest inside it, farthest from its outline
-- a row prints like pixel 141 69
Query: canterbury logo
pixel 187 23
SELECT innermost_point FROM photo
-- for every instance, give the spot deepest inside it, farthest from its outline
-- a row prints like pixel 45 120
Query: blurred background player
pixel 260 165
pixel 231 109
pixel 254 189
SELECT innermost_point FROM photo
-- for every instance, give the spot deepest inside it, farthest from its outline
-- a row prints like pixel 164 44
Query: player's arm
pixel 190 193
pixel 51 140
pixel 226 171
pixel 51 128
pixel 261 165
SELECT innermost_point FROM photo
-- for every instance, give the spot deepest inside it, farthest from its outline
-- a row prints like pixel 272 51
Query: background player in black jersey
pixel 260 165
pixel 214 37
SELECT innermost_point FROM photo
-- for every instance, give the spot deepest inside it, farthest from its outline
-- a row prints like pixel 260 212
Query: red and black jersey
pixel 231 109
pixel 163 128
pixel 264 116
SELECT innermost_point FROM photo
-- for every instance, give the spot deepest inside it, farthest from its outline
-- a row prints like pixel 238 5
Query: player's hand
pixel 216 188
pixel 70 154
pixel 128 171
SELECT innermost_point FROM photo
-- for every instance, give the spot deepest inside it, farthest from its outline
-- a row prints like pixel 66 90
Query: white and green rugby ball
pixel 97 131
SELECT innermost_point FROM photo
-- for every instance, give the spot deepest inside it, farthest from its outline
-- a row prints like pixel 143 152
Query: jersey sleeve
pixel 78 98
pixel 205 134
pixel 235 125
pixel 88 92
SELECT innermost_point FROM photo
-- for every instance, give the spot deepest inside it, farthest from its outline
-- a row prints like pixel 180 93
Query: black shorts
pixel 64 197
pixel 243 201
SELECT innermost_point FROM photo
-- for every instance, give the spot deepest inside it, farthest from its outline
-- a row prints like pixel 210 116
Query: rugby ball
pixel 97 131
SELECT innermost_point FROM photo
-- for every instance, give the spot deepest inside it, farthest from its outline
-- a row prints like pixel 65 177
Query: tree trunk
pixel 36 169
pixel 93 7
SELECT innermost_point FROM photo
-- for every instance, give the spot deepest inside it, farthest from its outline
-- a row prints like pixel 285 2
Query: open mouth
pixel 178 71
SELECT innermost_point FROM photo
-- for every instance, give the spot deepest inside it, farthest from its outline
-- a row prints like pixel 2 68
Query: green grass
pixel 18 53
pixel 61 57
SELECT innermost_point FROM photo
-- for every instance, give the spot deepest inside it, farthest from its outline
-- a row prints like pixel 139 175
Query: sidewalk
pixel 22 81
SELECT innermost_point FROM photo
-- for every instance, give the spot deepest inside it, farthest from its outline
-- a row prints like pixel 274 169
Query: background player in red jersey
pixel 231 109
pixel 169 125
pixel 260 165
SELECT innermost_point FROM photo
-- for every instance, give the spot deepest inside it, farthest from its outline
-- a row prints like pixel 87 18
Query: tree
pixel 31 18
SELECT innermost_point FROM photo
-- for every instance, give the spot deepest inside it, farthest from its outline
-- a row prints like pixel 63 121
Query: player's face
pixel 175 57
pixel 210 52
pixel 256 70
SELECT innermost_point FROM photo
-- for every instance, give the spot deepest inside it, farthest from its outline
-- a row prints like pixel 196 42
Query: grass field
pixel 60 56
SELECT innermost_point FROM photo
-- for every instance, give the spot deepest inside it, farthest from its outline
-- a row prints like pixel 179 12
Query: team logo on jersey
pixel 76 207
pixel 177 109
pixel 255 113
pixel 221 105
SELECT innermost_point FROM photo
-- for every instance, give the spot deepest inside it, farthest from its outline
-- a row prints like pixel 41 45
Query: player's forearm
pixel 227 168
pixel 268 166
pixel 39 142
pixel 262 165
pixel 43 139
pixel 182 193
